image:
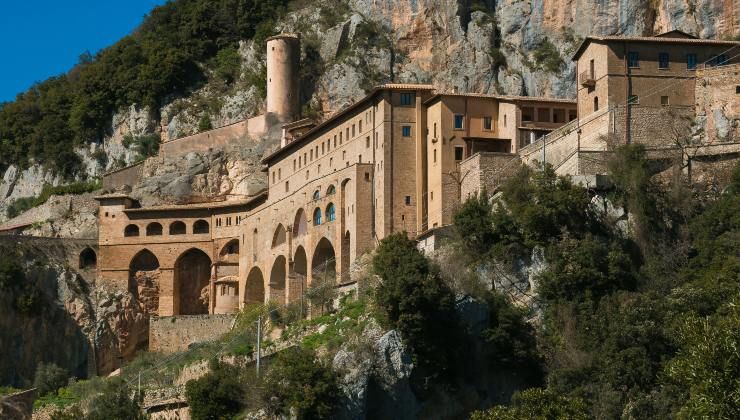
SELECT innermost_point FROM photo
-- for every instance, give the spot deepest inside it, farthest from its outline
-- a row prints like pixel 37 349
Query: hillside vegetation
pixel 630 317
pixel 174 50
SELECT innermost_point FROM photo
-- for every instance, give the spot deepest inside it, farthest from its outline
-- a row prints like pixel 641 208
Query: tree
pixel 474 225
pixel 299 384
pixel 49 378
pixel 217 395
pixel 115 403
pixel 417 302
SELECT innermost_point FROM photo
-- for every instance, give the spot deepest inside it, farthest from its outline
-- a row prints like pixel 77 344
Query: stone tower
pixel 283 59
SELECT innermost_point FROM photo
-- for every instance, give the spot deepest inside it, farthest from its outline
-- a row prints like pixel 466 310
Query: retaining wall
pixel 170 334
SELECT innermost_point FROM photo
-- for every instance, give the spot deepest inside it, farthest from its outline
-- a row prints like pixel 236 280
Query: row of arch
pixel 323 264
pixel 300 226
pixel 176 228
pixel 330 190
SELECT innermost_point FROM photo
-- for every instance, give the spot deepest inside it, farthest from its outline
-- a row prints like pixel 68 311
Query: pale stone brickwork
pixel 129 175
pixel 175 333
pixel 487 170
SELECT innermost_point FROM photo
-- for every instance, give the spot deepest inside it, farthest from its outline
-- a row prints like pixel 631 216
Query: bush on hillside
pixel 49 378
pixel 216 395
pixel 536 404
pixel 115 403
pixel 417 302
pixel 299 384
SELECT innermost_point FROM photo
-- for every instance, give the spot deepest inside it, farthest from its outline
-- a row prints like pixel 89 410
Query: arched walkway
pixel 279 237
pixel 300 226
pixel 177 228
pixel 154 229
pixel 192 278
pixel 298 280
pixel 323 263
pixel 254 292
pixel 231 248
pixel 143 279
pixel 277 280
pixel 88 259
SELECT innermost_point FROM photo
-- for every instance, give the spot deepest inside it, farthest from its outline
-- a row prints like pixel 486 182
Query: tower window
pixel 487 123
pixel 633 59
pixel 406 131
pixel 408 200
pixel 663 60
pixel 458 122
pixel 664 101
pixel 459 152
pixel 407 98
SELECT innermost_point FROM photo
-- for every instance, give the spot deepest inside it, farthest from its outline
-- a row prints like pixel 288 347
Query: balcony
pixel 586 79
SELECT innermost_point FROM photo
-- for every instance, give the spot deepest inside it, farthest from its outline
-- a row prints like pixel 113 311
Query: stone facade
pixel 175 333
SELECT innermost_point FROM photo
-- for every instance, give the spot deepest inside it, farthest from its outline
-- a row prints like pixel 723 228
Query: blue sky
pixel 44 38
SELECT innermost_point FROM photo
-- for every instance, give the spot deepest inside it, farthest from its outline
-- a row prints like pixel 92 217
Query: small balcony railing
pixel 587 79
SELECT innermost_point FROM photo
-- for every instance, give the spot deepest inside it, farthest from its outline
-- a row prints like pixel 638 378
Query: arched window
pixel 331 190
pixel 88 259
pixel 177 228
pixel 596 103
pixel 317 217
pixel 330 214
pixel 131 230
pixel 200 226
pixel 316 195
pixel 154 229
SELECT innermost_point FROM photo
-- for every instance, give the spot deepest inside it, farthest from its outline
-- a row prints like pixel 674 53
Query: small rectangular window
pixel 663 60
pixel 359 158
pixel 458 122
pixel 311 154
pixel 691 61
pixel 435 155
pixel 664 101
pixel 407 98
pixel 359 126
pixel 633 59
pixel 633 100
pixel 487 123
pixel 367 142
pixel 459 152
pixel 737 90
pixel 287 188
pixel 406 131
pixel 408 200
pixel 322 148
pixel 335 141
pixel 353 130
pixel 347 135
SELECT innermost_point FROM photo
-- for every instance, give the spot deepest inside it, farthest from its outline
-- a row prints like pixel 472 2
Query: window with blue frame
pixel 663 60
pixel 316 195
pixel 691 61
pixel 633 59
pixel 406 131
pixel 330 214
pixel 458 122
pixel 407 98
pixel 317 217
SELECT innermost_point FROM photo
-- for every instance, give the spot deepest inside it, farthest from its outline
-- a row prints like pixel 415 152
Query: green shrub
pixel 536 404
pixel 49 378
pixel 19 206
pixel 205 123
pixel 547 57
pixel 228 65
pixel 299 384
pixel 217 395
pixel 145 145
pixel 473 224
pixel 115 403
pixel 416 302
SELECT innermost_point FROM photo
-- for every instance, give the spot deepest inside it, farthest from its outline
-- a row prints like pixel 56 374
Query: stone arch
pixel 317 216
pixel 323 262
pixel 345 256
pixel 299 279
pixel 177 228
pixel 231 248
pixel 88 259
pixel 279 237
pixel 192 281
pixel 201 226
pixel 131 230
pixel 331 189
pixel 154 229
pixel 254 290
pixel 143 280
pixel 277 280
pixel 300 226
